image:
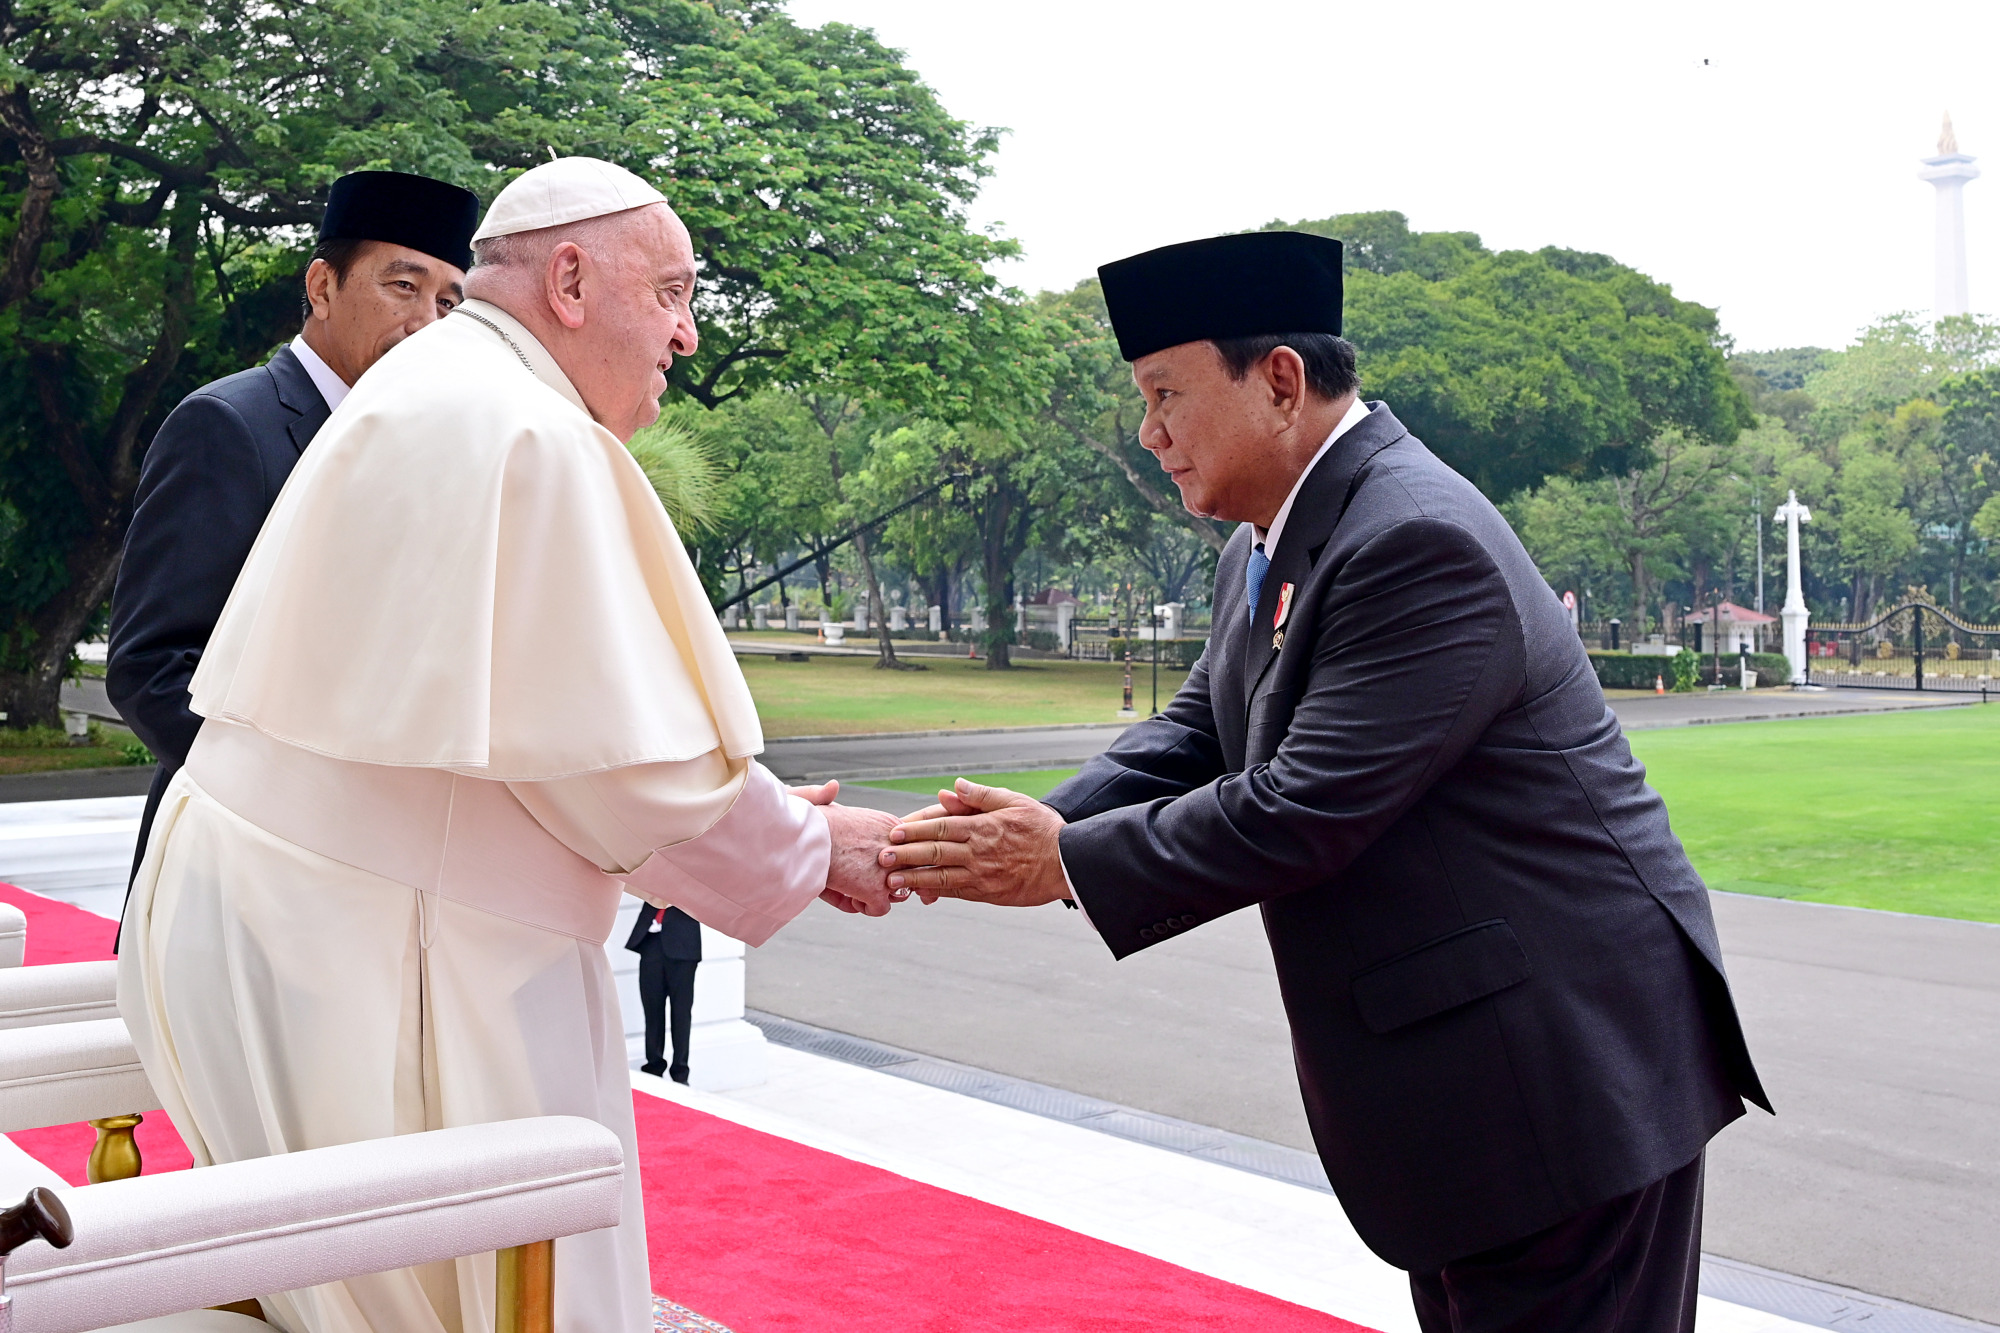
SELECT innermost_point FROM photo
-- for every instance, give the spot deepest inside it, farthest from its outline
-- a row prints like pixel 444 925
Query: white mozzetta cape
pixel 466 571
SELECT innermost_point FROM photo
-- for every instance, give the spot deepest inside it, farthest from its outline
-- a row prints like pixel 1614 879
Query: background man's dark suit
pixel 667 959
pixel 1502 975
pixel 210 476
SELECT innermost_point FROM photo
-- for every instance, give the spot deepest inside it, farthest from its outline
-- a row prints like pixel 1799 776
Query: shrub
pixel 1043 640
pixel 1627 671
pixel 1771 668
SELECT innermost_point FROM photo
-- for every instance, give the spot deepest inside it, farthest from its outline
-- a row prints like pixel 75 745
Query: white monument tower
pixel 1791 513
pixel 1949 171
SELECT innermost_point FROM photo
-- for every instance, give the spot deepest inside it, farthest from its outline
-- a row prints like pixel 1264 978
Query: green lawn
pixel 830 695
pixel 1037 783
pixel 1894 811
pixel 1899 811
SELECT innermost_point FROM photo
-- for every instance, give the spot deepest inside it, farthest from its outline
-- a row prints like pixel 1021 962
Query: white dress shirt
pixel 1357 412
pixel 331 386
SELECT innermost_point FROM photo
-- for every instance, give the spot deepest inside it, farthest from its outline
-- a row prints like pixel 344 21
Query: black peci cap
pixel 1223 287
pixel 413 211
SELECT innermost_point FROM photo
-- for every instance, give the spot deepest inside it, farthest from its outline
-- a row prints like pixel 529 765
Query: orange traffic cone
pixel 1659 685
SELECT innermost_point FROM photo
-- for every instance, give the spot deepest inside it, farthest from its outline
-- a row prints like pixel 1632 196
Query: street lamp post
pixel 1156 659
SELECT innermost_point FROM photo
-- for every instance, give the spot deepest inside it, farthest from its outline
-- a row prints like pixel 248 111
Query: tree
pixel 1967 475
pixel 1093 401
pixel 1515 366
pixel 161 165
pixel 1642 520
pixel 1876 532
pixel 1894 360
pixel 825 188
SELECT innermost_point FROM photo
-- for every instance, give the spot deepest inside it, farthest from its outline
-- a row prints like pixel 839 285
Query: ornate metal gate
pixel 1917 646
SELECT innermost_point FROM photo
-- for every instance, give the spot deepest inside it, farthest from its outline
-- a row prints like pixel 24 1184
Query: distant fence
pixel 1917 646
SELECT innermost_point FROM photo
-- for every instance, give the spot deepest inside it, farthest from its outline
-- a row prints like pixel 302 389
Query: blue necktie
pixel 1253 577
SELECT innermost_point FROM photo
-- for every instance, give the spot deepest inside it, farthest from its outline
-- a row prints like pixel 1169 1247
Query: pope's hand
pixel 983 844
pixel 853 880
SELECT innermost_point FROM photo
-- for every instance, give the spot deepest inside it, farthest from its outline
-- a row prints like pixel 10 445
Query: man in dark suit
pixel 1511 1026
pixel 391 258
pixel 668 942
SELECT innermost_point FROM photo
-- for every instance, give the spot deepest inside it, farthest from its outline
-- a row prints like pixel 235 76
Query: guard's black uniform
pixel 1506 996
pixel 208 480
pixel 667 959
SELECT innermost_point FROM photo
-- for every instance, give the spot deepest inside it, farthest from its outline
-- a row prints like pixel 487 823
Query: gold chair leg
pixel 527 1289
pixel 115 1156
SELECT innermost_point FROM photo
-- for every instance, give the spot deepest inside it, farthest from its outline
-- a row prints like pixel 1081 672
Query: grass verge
pixel 1036 782
pixel 837 695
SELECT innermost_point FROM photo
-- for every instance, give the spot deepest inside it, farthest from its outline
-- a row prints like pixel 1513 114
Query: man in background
pixel 391 259
pixel 668 942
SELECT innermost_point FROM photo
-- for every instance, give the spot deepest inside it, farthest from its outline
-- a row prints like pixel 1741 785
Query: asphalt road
pixel 917 754
pixel 1876 1035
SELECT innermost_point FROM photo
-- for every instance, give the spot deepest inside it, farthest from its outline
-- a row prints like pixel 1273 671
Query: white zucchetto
pixel 569 189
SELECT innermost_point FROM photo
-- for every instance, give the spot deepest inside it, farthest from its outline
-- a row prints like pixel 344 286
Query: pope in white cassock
pixel 467 691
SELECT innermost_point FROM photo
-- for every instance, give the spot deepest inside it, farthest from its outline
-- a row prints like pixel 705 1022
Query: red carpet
pixel 765 1235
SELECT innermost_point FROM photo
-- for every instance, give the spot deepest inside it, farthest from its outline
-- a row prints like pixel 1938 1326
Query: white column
pixel 1949 171
pixel 1791 513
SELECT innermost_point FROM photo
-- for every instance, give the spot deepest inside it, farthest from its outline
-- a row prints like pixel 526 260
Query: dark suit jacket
pixel 1506 996
pixel 209 477
pixel 679 935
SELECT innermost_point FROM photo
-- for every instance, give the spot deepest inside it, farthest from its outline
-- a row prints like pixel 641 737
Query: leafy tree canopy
pixel 163 163
pixel 1894 360
pixel 1514 366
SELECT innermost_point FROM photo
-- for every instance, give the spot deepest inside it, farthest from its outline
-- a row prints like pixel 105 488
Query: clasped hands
pixel 982 844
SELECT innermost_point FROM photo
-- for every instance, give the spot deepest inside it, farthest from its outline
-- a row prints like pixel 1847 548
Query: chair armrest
pixel 13 935
pixel 156 1245
pixel 61 1073
pixel 56 992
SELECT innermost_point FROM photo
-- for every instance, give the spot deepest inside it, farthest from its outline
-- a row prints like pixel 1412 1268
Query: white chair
pixel 13 935
pixel 55 992
pixel 160 1248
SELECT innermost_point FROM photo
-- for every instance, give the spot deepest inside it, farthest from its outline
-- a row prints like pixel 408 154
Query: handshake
pixel 982 844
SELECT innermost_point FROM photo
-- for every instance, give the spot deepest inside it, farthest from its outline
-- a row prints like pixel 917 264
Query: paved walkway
pixel 1681 710
pixel 1875 1033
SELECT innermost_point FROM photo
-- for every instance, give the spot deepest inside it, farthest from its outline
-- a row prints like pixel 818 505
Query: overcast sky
pixel 1761 157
